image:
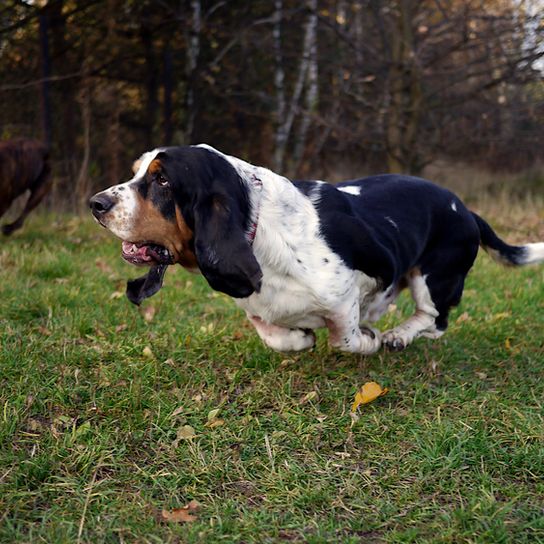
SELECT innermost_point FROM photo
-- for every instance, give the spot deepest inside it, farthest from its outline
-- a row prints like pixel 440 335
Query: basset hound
pixel 299 256
pixel 24 165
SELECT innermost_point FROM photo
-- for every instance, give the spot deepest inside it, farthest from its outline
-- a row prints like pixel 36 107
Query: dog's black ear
pixel 222 250
pixel 146 286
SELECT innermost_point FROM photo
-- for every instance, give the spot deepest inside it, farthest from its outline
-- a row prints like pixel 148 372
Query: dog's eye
pixel 161 180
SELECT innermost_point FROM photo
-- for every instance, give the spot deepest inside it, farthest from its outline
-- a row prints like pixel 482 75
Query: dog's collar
pixel 257 184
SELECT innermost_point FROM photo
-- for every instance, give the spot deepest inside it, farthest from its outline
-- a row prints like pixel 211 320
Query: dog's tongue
pixel 146 286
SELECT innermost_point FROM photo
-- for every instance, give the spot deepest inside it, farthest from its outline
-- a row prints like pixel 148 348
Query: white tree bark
pixel 279 81
pixel 284 129
pixel 312 86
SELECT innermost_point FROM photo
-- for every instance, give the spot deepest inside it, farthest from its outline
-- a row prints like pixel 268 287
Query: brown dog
pixel 24 164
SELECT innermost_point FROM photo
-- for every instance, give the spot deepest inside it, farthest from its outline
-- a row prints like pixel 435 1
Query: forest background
pixel 449 89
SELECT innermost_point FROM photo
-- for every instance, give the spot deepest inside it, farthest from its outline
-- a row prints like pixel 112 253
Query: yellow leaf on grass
pixel 367 393
pixel 181 515
pixel 212 414
pixel 147 353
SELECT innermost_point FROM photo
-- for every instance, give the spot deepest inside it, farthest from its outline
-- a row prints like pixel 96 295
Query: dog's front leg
pixel 346 335
pixel 280 338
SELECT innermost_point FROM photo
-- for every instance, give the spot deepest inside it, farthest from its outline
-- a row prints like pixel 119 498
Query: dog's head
pixel 185 205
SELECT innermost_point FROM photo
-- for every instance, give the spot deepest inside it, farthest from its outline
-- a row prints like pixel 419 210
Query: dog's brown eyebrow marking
pixel 154 167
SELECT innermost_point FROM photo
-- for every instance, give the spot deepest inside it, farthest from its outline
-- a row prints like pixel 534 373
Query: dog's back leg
pixel 281 338
pixel 436 287
pixel 37 192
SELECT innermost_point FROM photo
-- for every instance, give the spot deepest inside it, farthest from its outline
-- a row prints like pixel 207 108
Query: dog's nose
pixel 100 204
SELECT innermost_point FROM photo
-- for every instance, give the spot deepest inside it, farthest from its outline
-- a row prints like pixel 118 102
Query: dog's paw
pixel 365 340
pixel 370 340
pixel 395 340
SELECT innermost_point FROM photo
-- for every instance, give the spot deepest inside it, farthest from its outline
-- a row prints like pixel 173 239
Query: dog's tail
pixel 506 254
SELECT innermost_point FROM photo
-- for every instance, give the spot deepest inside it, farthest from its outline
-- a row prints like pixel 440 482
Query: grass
pixel 90 442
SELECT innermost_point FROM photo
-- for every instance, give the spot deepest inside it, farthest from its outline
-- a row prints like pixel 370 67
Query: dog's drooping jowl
pixel 298 256
pixel 24 165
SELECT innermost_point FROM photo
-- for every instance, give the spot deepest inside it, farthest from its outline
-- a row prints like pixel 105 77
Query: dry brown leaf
pixel 312 395
pixel 463 317
pixel 44 331
pixel 215 422
pixel 185 432
pixel 148 313
pixel 116 295
pixel 121 327
pixel 181 515
pixel 103 266
pixel 367 393
pixel 178 411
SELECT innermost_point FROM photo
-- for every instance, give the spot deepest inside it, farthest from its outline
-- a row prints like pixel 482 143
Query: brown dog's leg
pixel 36 195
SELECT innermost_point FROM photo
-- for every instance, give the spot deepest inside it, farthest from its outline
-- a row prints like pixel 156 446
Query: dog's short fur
pixel 298 256
pixel 24 165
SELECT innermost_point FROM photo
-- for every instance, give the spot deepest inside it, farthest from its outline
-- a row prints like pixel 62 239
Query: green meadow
pixel 110 414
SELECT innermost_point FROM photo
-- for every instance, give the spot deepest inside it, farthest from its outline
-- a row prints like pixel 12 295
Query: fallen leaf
pixel 147 353
pixel 367 393
pixel 185 432
pixel 463 317
pixel 215 422
pixel 44 331
pixel 178 411
pixel 115 295
pixel 212 414
pixel 121 327
pixel 103 266
pixel 181 515
pixel 308 397
pixel 148 313
pixel 500 316
pixel 507 344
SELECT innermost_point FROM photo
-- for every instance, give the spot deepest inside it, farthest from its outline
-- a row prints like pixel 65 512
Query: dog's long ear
pixel 222 250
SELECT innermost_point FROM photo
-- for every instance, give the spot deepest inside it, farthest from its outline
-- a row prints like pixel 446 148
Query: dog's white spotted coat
pixel 289 249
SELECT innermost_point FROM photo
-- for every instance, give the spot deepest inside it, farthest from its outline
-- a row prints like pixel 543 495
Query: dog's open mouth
pixel 146 253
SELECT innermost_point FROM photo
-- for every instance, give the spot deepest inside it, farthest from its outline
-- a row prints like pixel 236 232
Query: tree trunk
pixel 193 52
pixel 167 85
pixel 312 87
pixel 82 184
pixel 151 84
pixel 279 83
pixel 284 130
pixel 405 96
pixel 46 74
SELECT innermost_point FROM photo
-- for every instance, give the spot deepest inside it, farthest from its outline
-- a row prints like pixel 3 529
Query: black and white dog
pixel 298 256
